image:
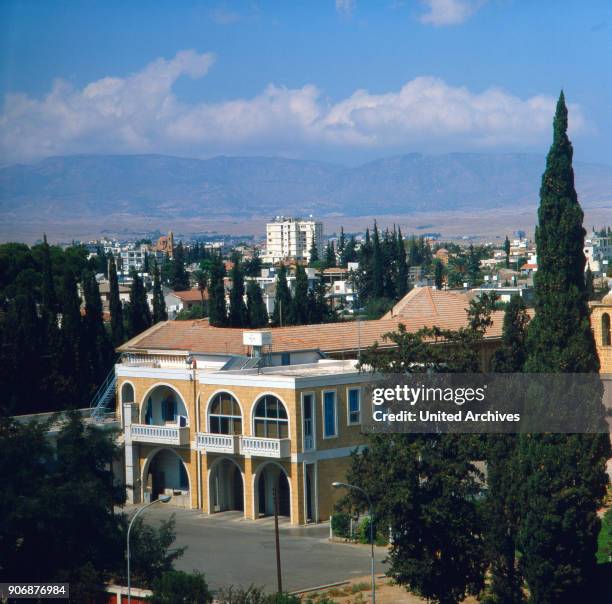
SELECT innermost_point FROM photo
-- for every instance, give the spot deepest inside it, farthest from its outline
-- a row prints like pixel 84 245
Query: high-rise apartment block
pixel 292 238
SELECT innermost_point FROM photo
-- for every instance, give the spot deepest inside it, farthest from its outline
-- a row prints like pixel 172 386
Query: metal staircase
pixel 103 401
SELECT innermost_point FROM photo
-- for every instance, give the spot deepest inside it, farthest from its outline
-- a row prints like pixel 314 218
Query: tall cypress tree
pixel 159 304
pixel 512 354
pixel 95 339
pixel 313 253
pixel 563 476
pixel 72 329
pixel 507 250
pixel 330 255
pixel 299 303
pixel 139 312
pixel 402 266
pixel 217 310
pixel 49 302
pixel 115 306
pixel 377 265
pixel 282 306
pixel 256 308
pixel 179 280
pixel 237 310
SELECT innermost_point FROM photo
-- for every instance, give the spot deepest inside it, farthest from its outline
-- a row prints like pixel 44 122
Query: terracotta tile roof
pixel 423 309
pixel 190 295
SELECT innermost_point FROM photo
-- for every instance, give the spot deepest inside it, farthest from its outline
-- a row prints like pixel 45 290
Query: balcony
pixel 265 447
pixel 164 435
pixel 217 443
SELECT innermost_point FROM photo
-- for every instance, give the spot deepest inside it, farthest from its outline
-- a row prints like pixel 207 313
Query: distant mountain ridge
pixel 94 186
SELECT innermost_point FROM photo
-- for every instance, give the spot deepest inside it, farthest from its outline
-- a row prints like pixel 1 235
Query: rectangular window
pixel 354 406
pixel 308 419
pixel 329 413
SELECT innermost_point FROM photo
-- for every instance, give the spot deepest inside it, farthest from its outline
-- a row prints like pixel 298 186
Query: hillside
pixel 166 187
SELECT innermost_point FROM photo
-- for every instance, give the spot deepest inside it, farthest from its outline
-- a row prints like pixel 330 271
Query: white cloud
pixel 345 7
pixel 141 114
pixel 449 12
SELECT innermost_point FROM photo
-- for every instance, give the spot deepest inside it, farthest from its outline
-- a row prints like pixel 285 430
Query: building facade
pixel 219 434
pixel 292 239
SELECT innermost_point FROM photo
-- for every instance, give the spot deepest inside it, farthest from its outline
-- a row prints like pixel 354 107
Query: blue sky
pixel 340 80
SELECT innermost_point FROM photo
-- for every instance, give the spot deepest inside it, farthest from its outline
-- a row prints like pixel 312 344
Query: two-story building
pixel 222 432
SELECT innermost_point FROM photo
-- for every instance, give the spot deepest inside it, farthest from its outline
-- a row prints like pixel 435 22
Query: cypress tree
pixel 216 295
pixel 377 265
pixel 282 307
pixel 115 306
pixel 256 308
pixel 512 354
pixel 438 273
pixel 314 253
pixel 179 279
pixel 49 302
pixel 95 340
pixel 237 309
pixel 507 250
pixel 299 304
pixel 139 312
pixel 330 255
pixel 589 285
pixel 563 475
pixel 159 304
pixel 349 254
pixel 341 243
pixel 72 329
pixel 402 266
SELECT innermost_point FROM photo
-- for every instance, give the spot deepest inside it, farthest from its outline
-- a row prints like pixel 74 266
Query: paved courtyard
pixel 233 551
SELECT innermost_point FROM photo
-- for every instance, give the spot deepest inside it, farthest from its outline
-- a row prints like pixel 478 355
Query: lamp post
pixel 356 488
pixel 163 499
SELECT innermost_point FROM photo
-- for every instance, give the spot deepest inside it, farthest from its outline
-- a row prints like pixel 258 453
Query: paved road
pixel 233 551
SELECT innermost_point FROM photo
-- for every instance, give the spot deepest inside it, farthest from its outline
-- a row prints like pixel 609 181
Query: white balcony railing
pixel 166 435
pixel 265 447
pixel 217 443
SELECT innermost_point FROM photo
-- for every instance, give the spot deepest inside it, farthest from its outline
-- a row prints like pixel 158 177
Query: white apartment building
pixel 598 252
pixel 292 239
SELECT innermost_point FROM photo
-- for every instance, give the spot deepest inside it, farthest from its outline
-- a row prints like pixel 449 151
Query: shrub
pixel 341 525
pixel 604 542
pixel 363 533
pixel 176 586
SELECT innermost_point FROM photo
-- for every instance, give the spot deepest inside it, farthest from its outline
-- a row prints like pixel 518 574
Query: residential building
pixel 598 252
pixel 176 301
pixel 292 239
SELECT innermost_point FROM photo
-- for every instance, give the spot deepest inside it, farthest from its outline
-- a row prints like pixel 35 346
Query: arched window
pixel 271 418
pixel 606 335
pixel 225 415
pixel 127 393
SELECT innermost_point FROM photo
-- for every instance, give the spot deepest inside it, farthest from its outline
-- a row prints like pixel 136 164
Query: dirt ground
pixel 358 591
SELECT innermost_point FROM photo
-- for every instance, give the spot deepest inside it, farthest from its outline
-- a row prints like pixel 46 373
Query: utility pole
pixel 279 579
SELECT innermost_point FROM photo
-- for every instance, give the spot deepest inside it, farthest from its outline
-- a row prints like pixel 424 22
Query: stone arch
pixel 223 491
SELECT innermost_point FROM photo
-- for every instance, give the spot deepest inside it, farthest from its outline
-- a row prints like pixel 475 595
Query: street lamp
pixel 163 499
pixel 338 485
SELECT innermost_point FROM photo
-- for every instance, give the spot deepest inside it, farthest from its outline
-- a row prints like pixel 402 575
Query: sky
pixel 336 80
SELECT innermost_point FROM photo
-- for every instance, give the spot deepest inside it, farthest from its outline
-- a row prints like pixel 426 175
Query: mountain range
pixel 165 187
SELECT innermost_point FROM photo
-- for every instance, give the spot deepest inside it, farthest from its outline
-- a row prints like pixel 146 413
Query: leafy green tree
pixel 563 476
pixel 237 309
pixel 299 302
pixel 179 279
pixel 512 354
pixel 159 303
pixel 256 309
pixel 139 314
pixel 282 307
pixel 179 587
pixel 115 306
